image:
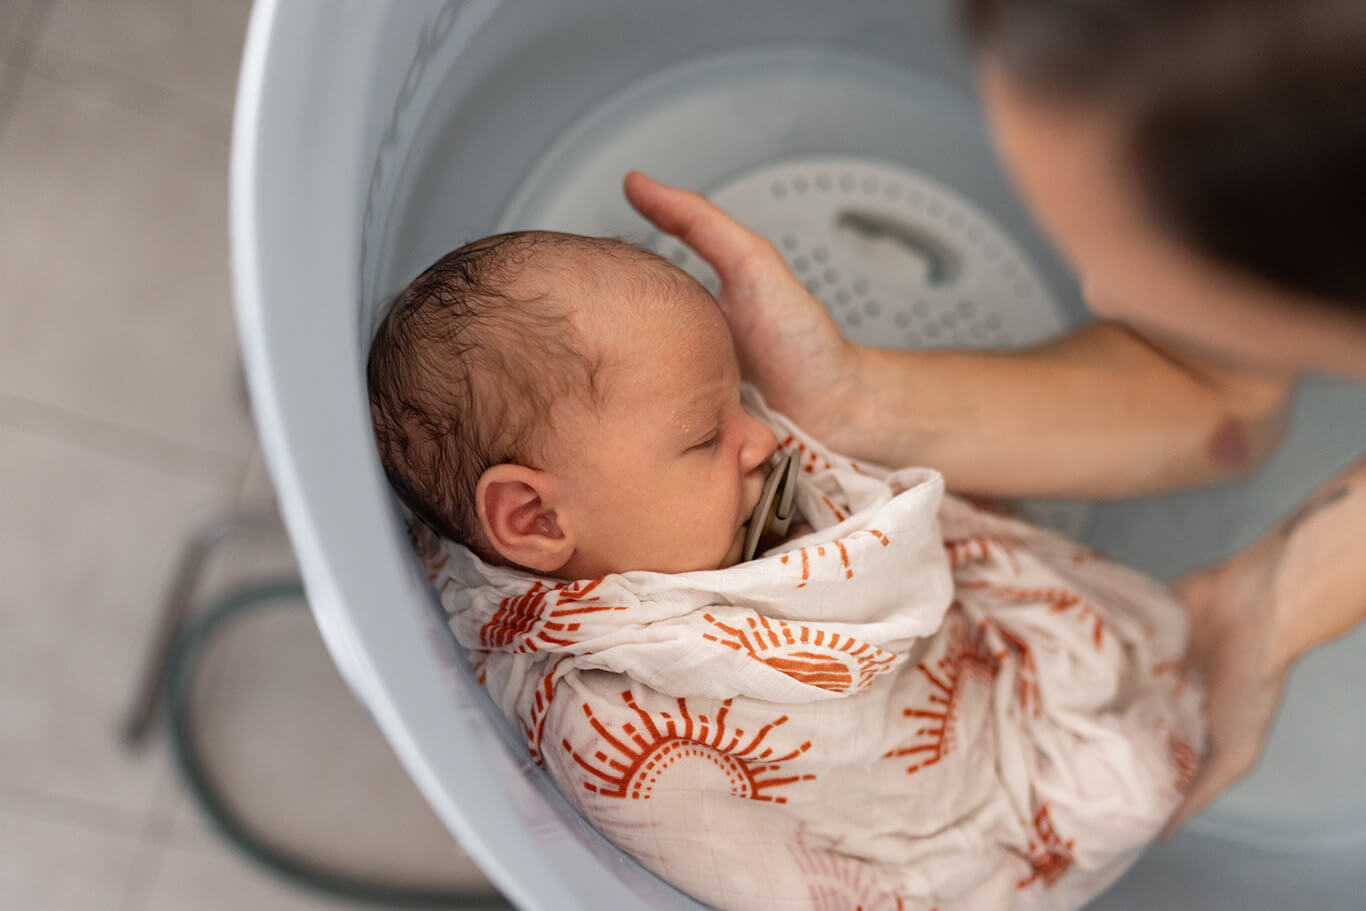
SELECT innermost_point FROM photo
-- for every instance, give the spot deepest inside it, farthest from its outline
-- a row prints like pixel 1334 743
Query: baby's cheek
pixel 694 537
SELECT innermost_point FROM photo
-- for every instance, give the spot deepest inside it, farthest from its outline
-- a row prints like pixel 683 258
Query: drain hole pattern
pixel 896 261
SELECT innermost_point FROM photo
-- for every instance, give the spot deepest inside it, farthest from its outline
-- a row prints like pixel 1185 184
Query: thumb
pixel 1213 777
pixel 732 249
pixel 1196 586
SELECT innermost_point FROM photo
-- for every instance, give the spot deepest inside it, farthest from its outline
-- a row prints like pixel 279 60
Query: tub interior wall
pixel 532 70
pixel 536 68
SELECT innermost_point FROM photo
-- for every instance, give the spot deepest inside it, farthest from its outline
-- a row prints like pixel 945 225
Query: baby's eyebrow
pixel 702 415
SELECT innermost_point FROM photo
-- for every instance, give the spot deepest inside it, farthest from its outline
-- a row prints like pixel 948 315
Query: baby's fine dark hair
pixel 466 372
pixel 1245 120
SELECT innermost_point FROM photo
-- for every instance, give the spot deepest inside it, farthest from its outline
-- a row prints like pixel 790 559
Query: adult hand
pixel 786 342
pixel 1301 585
pixel 1232 646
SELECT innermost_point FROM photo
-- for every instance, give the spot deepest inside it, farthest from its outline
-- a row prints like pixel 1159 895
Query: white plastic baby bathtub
pixel 371 137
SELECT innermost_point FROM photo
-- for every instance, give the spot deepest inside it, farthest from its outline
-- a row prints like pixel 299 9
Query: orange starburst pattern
pixel 965 658
pixel 533 726
pixel 541 617
pixel 811 655
pixel 1057 599
pixel 434 565
pixel 479 663
pixel 1028 686
pixel 978 549
pixel 1176 667
pixel 830 504
pixel 805 556
pixel 1049 856
pixel 810 461
pixel 1184 759
pixel 634 759
pixel 836 883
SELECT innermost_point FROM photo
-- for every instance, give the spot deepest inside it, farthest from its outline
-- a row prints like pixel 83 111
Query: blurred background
pixel 123 428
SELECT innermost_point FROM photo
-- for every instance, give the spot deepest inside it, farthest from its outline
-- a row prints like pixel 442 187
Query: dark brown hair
pixel 463 374
pixel 1244 120
pixel 472 368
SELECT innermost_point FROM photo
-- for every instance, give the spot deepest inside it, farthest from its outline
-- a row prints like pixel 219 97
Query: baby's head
pixel 570 405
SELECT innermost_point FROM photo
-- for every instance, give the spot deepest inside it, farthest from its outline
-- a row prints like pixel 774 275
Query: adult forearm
pixel 1320 579
pixel 1097 413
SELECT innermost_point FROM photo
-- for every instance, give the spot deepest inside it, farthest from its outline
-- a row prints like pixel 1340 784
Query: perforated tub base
pixel 899 260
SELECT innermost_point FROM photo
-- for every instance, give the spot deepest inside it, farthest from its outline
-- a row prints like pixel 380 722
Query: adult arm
pixel 1098 413
pixel 1302 584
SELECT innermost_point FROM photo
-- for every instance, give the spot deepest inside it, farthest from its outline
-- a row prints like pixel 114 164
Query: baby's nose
pixel 759 445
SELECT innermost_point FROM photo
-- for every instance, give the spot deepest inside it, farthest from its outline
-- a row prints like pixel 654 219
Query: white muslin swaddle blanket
pixel 919 705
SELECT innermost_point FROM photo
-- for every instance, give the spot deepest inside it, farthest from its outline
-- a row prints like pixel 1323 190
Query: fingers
pixel 1195 590
pixel 1198 798
pixel 728 246
pixel 1216 775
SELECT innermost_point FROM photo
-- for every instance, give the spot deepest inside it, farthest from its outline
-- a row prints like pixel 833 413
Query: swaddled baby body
pixel 915 703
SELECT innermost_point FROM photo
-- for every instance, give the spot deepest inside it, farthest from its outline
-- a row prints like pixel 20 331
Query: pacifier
pixel 776 507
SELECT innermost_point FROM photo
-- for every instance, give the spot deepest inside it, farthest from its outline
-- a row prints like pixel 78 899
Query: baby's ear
pixel 517 512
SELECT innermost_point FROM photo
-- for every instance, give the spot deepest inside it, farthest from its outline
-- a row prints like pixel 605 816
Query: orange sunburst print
pixel 836 883
pixel 541 616
pixel 1049 856
pixel 806 556
pixel 1176 667
pixel 965 658
pixel 1057 599
pixel 633 759
pixel 810 461
pixel 808 654
pixel 1031 702
pixel 479 664
pixel 1184 759
pixel 838 513
pixel 434 565
pixel 978 549
pixel 533 726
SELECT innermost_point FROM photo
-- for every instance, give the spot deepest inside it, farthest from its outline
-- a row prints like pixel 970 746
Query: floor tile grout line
pixel 19 57
pixel 149 450
pixel 204 467
pixel 33 31
pixel 155 845
pixel 55 74
pixel 66 809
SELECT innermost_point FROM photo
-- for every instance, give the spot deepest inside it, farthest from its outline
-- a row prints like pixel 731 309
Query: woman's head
pixel 1199 161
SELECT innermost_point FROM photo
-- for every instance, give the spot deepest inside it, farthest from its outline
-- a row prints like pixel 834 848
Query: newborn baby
pixel 910 703
pixel 570 405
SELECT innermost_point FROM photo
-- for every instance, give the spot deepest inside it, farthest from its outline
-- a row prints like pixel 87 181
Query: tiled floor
pixel 121 428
